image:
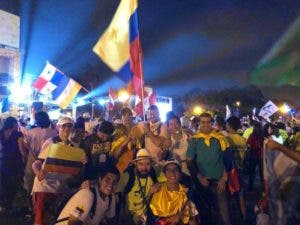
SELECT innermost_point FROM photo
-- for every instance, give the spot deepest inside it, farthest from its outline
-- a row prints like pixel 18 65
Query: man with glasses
pixel 205 162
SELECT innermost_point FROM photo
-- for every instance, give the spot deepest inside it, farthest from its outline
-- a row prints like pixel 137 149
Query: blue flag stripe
pixel 133 26
pixel 57 77
pixel 125 73
pixel 61 87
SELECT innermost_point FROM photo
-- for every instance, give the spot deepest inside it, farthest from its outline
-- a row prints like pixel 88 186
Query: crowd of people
pixel 146 172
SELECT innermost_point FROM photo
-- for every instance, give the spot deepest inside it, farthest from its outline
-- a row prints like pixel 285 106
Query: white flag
pixel 228 112
pixel 268 109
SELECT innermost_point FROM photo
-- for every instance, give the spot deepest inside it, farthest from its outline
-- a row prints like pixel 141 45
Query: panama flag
pixel 120 48
pixel 65 92
pixel 48 80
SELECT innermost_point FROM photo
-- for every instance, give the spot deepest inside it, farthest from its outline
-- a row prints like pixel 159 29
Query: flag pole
pixel 142 85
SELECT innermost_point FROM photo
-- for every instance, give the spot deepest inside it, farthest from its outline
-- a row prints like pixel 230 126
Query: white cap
pixel 173 160
pixel 64 120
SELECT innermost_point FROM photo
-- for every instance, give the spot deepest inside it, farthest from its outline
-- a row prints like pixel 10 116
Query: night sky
pixel 187 44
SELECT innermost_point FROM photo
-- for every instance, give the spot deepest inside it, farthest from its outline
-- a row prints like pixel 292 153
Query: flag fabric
pixel 232 174
pixel 64 159
pixel 48 80
pixel 63 88
pixel 268 109
pixel 112 96
pixel 282 183
pixel 149 97
pixel 120 48
pixel 65 92
pixel 228 112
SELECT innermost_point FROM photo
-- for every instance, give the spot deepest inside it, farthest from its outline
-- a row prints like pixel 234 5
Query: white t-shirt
pixel 180 148
pixel 80 204
pixel 150 146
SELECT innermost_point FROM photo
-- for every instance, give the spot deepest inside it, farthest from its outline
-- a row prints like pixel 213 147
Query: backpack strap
pixel 153 175
pixel 109 202
pixel 130 183
pixel 94 205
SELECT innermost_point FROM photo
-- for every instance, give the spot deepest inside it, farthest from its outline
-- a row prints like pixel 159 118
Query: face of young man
pixel 174 126
pixel 126 118
pixel 102 136
pixel 172 173
pixel 205 125
pixel 143 167
pixel 65 131
pixel 108 183
pixel 78 134
pixel 153 116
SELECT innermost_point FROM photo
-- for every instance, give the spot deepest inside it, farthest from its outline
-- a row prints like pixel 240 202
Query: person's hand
pixel 85 184
pixel 174 219
pixel 203 180
pixel 147 128
pixel 154 188
pixel 84 159
pixel 221 185
pixel 41 175
pixel 271 144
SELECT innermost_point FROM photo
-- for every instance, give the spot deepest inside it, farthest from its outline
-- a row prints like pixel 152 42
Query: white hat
pixel 173 160
pixel 64 120
pixel 142 154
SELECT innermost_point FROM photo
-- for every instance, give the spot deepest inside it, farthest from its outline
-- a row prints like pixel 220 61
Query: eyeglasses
pixel 67 125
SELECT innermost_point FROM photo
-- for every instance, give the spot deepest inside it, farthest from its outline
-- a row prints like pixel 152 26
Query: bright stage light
pixel 123 95
pixel 285 108
pixel 103 101
pixel 20 94
pixel 197 110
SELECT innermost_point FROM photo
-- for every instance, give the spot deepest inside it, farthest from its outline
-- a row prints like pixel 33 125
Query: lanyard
pixel 143 192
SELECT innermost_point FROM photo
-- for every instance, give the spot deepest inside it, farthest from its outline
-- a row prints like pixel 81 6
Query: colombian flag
pixel 120 48
pixel 64 159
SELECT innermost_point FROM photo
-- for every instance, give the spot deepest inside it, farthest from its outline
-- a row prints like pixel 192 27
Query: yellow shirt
pixel 213 134
pixel 165 203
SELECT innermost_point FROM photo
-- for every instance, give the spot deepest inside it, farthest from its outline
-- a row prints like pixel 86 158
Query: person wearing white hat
pixel 48 186
pixel 136 185
pixel 170 204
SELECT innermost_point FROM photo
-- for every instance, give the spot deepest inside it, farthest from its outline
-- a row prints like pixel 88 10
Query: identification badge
pixel 102 158
pixel 95 148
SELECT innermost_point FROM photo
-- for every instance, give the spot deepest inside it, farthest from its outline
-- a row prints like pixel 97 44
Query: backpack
pixel 60 206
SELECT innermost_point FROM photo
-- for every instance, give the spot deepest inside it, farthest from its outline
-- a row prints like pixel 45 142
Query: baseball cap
pixel 173 160
pixel 64 120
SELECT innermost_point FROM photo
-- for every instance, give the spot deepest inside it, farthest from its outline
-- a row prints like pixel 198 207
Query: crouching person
pixel 92 206
pixel 170 205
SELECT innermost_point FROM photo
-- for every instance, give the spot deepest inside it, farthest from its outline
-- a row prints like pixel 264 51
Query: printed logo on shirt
pixel 78 211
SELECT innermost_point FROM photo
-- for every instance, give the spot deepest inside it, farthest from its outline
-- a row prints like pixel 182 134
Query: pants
pixel 253 164
pixel 216 209
pixel 42 201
